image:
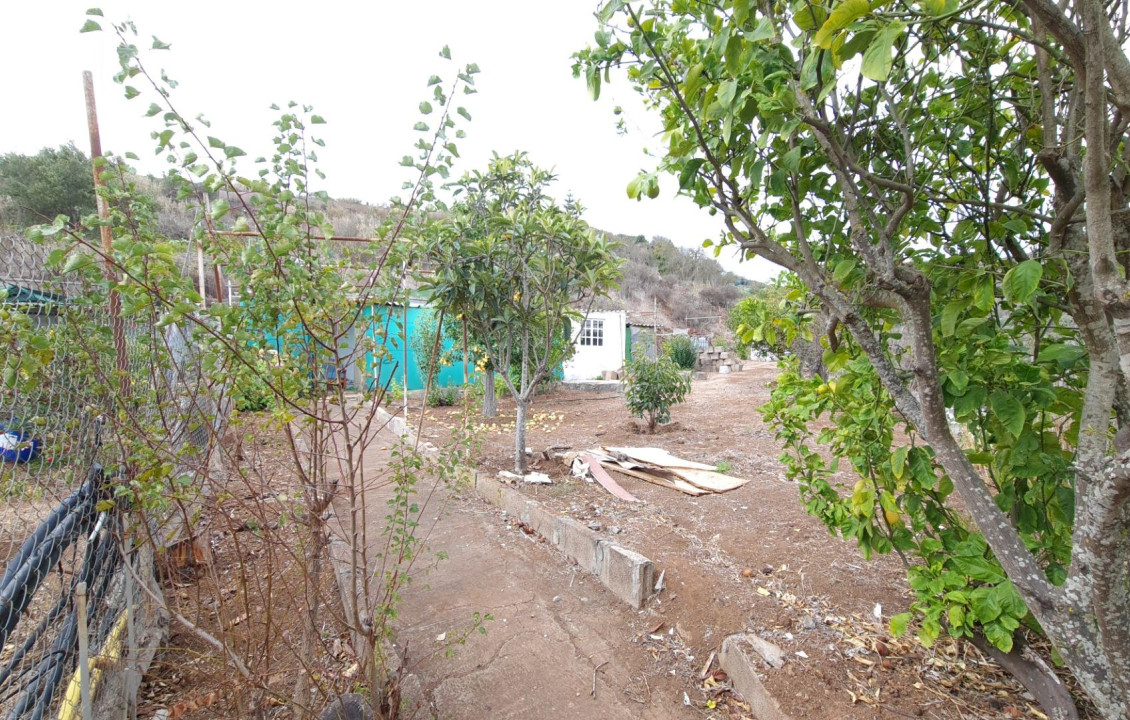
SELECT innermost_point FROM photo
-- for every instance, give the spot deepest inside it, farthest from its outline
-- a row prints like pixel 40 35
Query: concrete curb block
pixel 627 574
pixel 742 663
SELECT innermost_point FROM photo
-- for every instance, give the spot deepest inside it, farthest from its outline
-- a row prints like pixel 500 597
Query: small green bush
pixel 652 387
pixel 395 393
pixel 681 349
pixel 250 392
pixel 444 397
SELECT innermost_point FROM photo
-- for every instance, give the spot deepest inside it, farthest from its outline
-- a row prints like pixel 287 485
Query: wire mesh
pixel 59 525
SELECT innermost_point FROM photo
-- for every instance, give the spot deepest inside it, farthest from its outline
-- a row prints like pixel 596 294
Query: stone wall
pixel 714 359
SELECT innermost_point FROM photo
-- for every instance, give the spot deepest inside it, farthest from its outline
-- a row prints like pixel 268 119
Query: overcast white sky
pixel 364 67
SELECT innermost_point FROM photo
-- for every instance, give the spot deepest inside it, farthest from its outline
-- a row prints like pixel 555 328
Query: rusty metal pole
pixel 117 323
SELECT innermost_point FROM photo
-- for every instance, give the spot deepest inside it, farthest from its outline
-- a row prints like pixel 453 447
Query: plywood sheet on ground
pixel 660 457
pixel 660 478
pixel 710 480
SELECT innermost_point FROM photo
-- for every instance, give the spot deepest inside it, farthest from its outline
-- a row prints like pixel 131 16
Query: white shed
pixel 600 346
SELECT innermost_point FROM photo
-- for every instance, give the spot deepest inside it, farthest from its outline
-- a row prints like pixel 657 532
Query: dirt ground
pixel 557 644
pixel 244 583
pixel 748 560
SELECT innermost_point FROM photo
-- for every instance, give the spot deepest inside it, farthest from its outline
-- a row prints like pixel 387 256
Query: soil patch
pixel 747 560
pixel 245 584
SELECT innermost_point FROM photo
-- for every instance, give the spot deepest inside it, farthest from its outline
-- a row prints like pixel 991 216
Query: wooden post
pixel 129 700
pixel 407 300
pixel 117 324
pixel 200 275
pixel 202 288
pixel 83 652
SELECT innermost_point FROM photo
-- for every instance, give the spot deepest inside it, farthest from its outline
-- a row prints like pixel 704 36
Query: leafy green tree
pixel 37 188
pixel 427 345
pixel 752 322
pixel 653 387
pixel 308 307
pixel 516 267
pixel 949 182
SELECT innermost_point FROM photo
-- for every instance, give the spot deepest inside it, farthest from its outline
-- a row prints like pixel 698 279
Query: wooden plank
pixel 662 458
pixel 669 482
pixel 713 481
pixel 606 480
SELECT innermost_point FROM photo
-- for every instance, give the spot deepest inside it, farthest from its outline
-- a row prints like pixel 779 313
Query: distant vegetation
pixel 679 282
pixel 683 282
pixel 38 188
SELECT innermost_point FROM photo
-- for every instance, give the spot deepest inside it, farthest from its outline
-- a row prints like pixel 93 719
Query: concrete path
pixel 554 623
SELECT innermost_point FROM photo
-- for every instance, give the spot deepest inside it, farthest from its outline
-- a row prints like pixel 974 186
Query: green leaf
pixel 154 109
pixel 763 31
pixel 959 379
pixel 1009 411
pixel 131 92
pixel 898 461
pixel 843 269
pixel 810 17
pixel 425 107
pixel 688 173
pixel 979 568
pixel 634 187
pixel 1021 281
pixel 445 53
pixel 877 60
pixel 1064 353
pixel 215 142
pixel 1000 637
pixel 950 314
pixel 77 261
pixel 984 293
pixel 317 120
pixel 899 624
pixel 90 26
pixel 95 11
pixel 158 45
pixel 956 615
pixel 741 11
pixel 986 606
pixel 841 16
pixel 592 81
pixel 1010 600
pixel 610 9
pixel 220 208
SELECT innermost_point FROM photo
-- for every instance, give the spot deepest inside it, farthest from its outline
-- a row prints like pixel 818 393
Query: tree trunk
pixel 1035 675
pixel 520 437
pixel 490 400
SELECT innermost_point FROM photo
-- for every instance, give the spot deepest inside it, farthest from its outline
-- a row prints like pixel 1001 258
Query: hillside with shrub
pixel 658 275
pixel 678 283
pixel 685 287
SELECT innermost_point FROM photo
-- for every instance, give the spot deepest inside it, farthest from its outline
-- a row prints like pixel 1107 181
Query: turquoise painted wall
pixel 382 365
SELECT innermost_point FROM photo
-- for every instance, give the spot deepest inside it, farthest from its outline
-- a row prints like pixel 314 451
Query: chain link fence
pixel 78 621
